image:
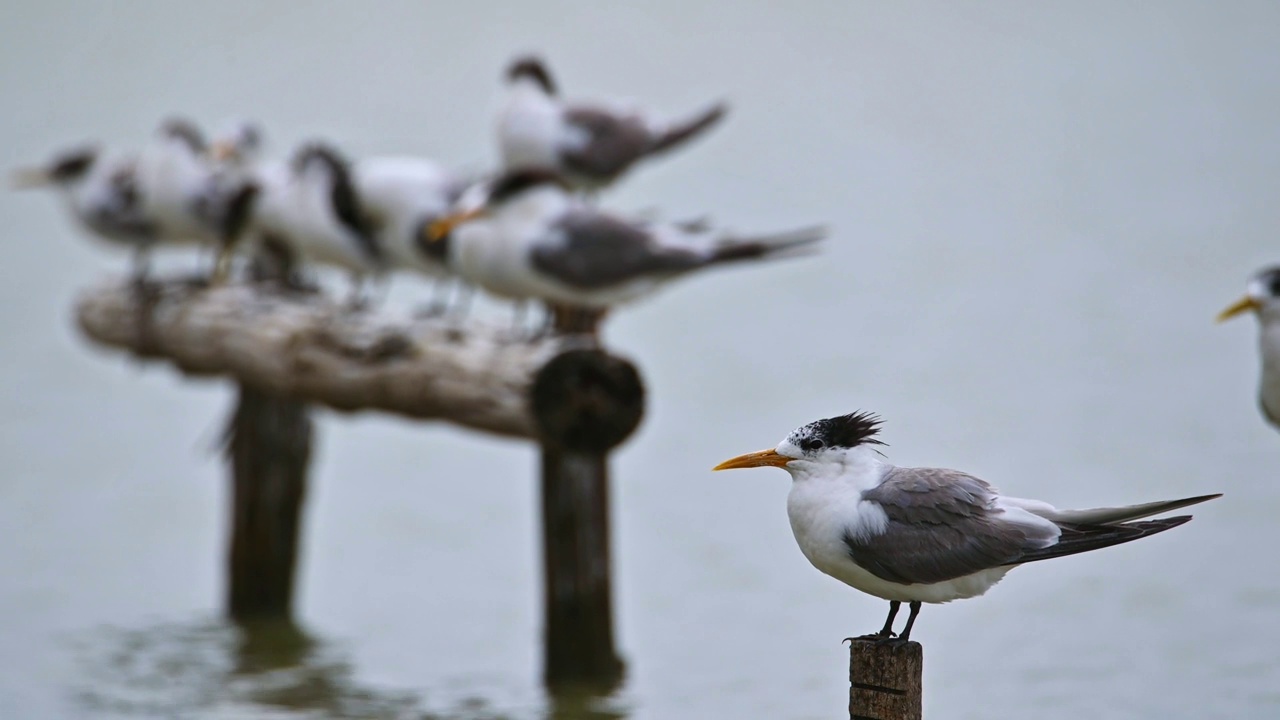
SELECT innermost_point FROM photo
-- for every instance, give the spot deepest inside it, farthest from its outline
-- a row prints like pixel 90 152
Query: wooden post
pixel 885 682
pixel 585 403
pixel 268 450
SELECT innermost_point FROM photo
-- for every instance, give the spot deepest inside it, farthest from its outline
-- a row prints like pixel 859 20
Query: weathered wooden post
pixel 585 403
pixel 885 682
pixel 268 451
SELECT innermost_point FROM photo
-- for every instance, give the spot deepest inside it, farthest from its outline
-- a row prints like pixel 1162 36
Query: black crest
pixel 517 181
pixel 185 131
pixel 72 164
pixel 846 431
pixel 531 66
pixel 1270 279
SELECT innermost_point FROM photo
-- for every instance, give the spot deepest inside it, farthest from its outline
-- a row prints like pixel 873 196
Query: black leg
pixel 141 265
pixel 911 620
pixel 886 632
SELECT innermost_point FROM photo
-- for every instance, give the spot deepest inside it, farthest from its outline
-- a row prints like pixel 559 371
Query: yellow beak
pixel 1239 306
pixel 763 458
pixel 223 151
pixel 446 224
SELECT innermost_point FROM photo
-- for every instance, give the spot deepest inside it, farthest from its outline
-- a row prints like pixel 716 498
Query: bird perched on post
pixel 533 239
pixel 1262 298
pixel 310 207
pixel 590 144
pixel 918 535
pixel 400 198
pixel 101 191
pixel 163 195
pixel 186 196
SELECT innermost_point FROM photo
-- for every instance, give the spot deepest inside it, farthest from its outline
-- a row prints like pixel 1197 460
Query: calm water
pixel 1038 212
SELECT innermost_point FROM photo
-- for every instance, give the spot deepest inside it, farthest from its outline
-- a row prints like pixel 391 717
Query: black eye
pixel 811 444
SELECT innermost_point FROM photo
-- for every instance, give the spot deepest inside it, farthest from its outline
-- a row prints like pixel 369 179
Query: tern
pixel 925 535
pixel 591 144
pixel 101 191
pixel 1263 298
pixel 309 206
pixel 533 239
pixel 188 198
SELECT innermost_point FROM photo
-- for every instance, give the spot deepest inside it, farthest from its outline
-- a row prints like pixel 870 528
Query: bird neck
pixel 527 91
pixel 857 469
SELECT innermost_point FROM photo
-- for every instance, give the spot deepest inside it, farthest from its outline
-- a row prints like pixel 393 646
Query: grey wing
pixel 943 524
pixel 613 142
pixel 590 250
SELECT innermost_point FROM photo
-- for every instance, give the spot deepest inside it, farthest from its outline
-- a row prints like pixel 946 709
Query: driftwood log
pixel 289 350
pixel 312 348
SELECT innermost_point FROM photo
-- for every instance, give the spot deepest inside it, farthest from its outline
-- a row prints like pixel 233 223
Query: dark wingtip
pixel 685 131
pixel 779 245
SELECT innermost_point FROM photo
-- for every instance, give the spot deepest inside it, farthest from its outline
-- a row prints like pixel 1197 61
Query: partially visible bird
pixel 309 205
pixel 101 191
pixel 590 144
pixel 188 198
pixel 533 239
pixel 1262 298
pixel 239 144
pixel 925 535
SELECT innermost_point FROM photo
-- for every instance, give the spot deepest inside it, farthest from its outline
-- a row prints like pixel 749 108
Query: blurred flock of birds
pixel 529 231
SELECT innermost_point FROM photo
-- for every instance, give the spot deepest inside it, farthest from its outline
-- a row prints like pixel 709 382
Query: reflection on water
pixel 269 669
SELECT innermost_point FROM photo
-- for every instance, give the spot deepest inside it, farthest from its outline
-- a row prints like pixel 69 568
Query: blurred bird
pixel 101 191
pixel 533 239
pixel 919 535
pixel 310 206
pixel 1263 298
pixel 591 145
pixel 400 198
pixel 186 197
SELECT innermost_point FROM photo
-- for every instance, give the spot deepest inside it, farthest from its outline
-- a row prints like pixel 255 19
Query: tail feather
pixel 682 132
pixel 1108 516
pixel 766 246
pixel 1083 538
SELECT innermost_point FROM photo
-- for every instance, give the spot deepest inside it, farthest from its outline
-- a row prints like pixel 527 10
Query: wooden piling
pixel 268 451
pixel 885 682
pixel 585 403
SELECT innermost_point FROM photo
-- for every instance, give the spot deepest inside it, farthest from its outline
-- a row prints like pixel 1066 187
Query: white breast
pixel 1269 348
pixel 530 129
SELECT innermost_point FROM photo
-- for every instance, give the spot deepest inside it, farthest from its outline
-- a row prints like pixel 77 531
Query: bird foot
pixel 893 643
pixel 876 637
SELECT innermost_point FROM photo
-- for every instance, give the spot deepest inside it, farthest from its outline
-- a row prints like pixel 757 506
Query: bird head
pixel 531 68
pixel 239 145
pixel 1262 297
pixel 64 169
pixel 831 443
pixel 483 199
